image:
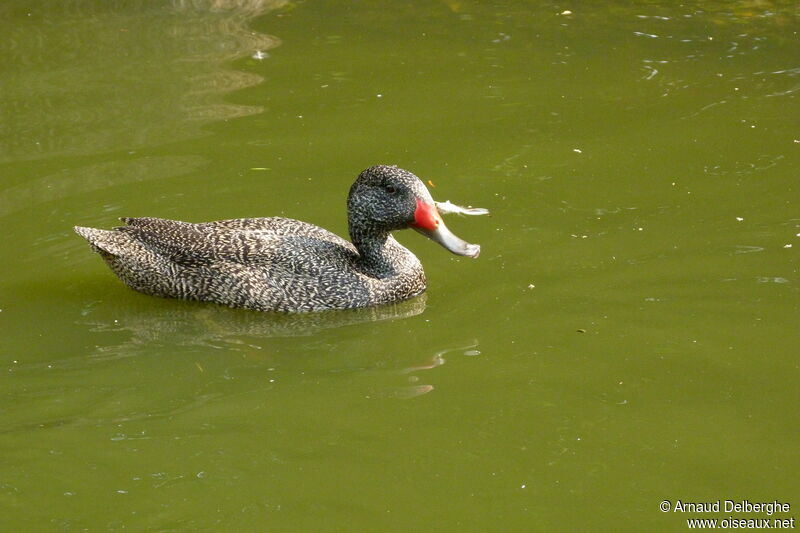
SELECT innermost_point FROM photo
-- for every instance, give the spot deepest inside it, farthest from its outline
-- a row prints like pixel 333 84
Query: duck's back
pixel 274 263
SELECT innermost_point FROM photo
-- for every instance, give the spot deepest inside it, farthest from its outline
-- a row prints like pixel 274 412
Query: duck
pixel 286 265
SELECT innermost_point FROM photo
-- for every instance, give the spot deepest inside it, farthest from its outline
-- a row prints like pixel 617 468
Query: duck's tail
pixel 108 243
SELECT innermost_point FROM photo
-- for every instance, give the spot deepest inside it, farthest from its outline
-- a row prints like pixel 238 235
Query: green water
pixel 629 334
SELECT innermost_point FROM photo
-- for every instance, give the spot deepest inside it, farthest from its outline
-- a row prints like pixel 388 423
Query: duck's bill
pixel 446 238
pixel 429 223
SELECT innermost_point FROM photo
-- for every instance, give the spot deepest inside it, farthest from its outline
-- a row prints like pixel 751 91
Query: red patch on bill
pixel 426 216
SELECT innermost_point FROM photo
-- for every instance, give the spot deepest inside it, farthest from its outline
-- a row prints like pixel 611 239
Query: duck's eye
pixel 391 189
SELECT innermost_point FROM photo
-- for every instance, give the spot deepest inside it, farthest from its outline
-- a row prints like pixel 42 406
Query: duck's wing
pixel 275 225
pixel 179 242
pixel 157 225
pixel 244 241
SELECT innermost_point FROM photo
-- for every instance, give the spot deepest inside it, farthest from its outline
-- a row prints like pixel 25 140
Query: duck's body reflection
pixel 200 324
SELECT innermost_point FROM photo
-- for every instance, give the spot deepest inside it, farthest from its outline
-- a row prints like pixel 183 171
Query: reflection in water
pixel 436 360
pixel 92 177
pixel 208 325
pixel 728 33
pixel 81 78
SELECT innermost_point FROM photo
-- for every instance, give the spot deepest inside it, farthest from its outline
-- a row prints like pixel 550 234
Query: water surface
pixel 627 336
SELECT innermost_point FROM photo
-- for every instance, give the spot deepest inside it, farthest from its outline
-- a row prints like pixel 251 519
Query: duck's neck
pixel 379 254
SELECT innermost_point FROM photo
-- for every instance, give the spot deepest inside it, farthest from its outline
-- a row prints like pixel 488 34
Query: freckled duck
pixel 281 264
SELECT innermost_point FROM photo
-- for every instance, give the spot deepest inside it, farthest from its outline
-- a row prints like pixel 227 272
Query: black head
pixel 386 198
pixel 383 199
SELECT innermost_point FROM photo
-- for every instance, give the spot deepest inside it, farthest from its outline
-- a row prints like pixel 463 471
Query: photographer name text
pixel 731 506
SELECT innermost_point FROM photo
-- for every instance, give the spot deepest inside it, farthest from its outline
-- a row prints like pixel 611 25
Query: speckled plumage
pixel 277 264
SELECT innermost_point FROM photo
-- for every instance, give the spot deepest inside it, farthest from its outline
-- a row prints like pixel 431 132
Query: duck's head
pixel 387 198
